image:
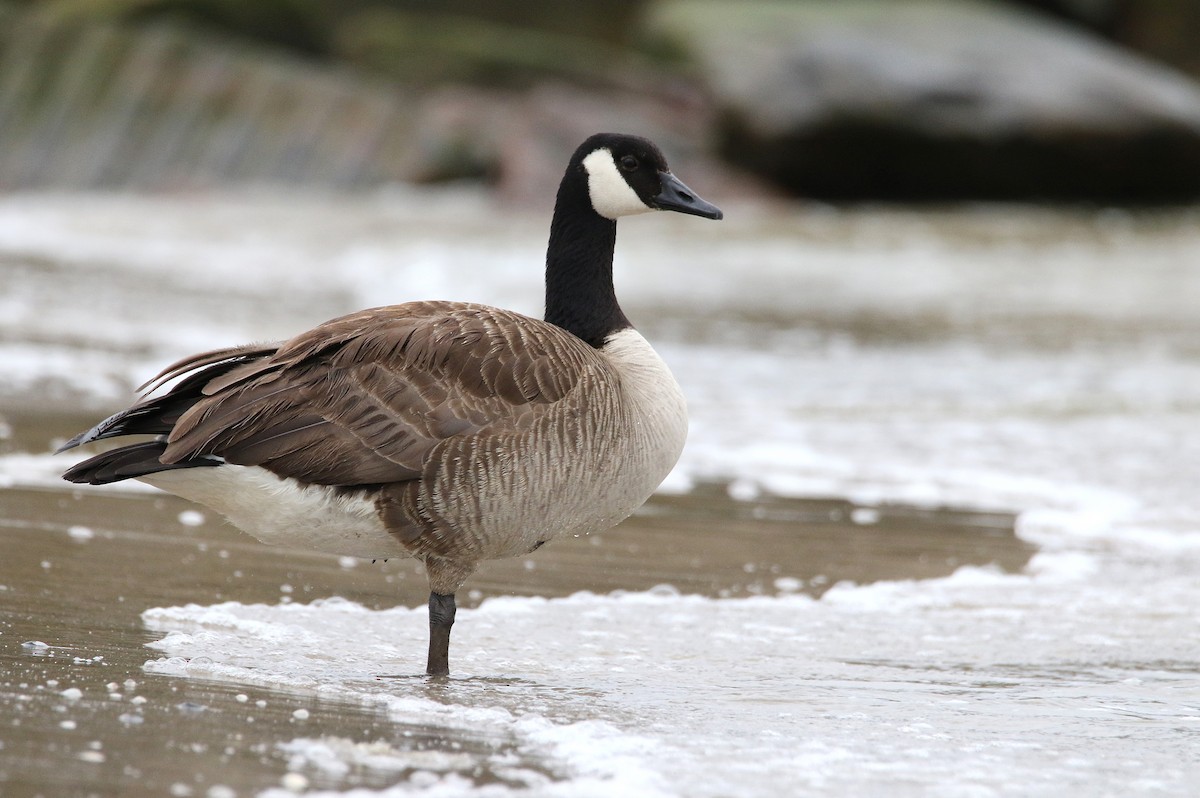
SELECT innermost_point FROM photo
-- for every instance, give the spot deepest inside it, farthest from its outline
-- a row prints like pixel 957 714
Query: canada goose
pixel 447 431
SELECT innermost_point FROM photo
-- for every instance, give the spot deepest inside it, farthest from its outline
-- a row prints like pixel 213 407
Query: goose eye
pixel 629 163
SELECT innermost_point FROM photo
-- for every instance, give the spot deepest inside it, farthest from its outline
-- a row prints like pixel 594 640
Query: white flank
pixel 283 512
pixel 611 195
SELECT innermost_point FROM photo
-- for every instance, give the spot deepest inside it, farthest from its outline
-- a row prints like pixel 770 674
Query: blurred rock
pixel 307 26
pixel 417 42
pixel 167 107
pixel 938 99
pixel 519 140
pixel 426 49
pixel 160 107
pixel 1165 30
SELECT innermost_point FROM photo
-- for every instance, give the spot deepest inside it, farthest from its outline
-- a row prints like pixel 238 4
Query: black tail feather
pixel 156 416
pixel 128 462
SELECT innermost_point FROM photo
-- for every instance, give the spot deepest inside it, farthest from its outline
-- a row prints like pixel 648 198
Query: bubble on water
pixel 191 518
pixel 72 694
pixel 300 714
pixel 167 666
pixel 865 516
pixel 296 782
pixel 743 490
pixel 80 533
pixel 788 584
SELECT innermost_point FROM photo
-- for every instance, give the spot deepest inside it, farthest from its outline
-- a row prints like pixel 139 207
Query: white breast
pixel 653 400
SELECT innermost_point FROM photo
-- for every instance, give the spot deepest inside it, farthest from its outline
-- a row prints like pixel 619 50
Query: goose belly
pixel 284 512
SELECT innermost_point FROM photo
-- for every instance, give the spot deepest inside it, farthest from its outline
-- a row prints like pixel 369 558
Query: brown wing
pixel 363 399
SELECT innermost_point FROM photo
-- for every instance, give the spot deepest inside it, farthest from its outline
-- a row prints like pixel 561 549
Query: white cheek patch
pixel 611 195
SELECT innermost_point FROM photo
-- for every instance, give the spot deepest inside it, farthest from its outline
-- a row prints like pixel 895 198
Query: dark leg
pixel 441 618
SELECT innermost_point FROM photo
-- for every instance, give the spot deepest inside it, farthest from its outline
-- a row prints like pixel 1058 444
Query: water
pixel 796 613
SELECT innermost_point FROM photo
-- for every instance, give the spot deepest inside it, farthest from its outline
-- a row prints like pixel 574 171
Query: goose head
pixel 627 175
pixel 609 176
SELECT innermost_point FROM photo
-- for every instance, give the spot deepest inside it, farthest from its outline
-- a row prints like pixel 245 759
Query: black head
pixel 628 175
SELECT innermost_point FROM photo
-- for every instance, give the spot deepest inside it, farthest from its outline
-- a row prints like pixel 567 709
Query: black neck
pixel 579 261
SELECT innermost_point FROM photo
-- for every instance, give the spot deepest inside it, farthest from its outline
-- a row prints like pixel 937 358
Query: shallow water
pixel 69 585
pixel 830 627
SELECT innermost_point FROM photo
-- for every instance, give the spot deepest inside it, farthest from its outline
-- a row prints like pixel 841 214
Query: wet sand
pixel 80 566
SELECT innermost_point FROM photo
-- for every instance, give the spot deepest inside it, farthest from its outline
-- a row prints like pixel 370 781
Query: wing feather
pixel 366 398
pixel 203 360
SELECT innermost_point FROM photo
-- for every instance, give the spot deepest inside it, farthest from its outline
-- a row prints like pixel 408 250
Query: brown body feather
pixel 363 399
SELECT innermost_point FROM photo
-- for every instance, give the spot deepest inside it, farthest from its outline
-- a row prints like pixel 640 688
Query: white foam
pixel 664 694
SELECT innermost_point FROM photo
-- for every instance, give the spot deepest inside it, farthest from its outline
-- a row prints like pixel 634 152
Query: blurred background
pixel 942 362
pixel 908 100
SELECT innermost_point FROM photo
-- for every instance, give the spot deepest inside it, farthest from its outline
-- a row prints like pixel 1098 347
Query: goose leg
pixel 441 618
